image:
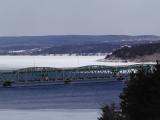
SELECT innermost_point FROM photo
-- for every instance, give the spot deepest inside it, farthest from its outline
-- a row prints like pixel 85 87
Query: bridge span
pixel 48 74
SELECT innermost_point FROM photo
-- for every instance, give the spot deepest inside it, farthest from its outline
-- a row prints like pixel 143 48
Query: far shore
pixel 138 61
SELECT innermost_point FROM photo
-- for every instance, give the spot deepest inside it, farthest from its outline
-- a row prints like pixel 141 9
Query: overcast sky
pixel 93 17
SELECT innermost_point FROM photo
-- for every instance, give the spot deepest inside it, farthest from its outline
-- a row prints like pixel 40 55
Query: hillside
pixel 69 44
pixel 139 53
pixel 87 49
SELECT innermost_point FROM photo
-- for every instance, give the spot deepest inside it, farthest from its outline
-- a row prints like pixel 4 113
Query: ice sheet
pixel 16 62
pixel 72 114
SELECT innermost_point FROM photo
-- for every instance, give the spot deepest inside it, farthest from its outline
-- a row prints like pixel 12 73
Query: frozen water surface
pixel 16 62
pixel 72 114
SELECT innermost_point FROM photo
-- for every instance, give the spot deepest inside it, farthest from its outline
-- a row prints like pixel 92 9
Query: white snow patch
pixel 17 51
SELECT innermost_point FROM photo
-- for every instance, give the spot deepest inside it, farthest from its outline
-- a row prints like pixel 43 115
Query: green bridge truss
pixel 45 74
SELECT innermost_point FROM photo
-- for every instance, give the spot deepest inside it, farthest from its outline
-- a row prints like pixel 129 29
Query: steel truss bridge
pixel 46 74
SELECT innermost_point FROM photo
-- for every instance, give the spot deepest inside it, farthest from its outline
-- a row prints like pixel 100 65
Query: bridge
pixel 48 74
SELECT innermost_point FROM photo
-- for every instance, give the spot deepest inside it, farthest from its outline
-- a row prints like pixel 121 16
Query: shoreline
pixel 126 61
pixel 19 85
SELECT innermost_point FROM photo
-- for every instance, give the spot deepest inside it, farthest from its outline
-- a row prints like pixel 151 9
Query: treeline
pixel 69 44
pixel 87 49
pixel 79 49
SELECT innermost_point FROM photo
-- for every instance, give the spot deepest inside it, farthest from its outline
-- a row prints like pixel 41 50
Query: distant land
pixel 137 53
pixel 70 44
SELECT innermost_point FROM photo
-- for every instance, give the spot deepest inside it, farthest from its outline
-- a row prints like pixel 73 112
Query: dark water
pixel 77 96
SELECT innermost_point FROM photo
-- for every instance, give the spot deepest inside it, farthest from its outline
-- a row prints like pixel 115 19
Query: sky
pixel 79 17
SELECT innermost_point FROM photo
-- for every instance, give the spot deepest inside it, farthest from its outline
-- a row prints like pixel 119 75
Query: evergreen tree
pixel 109 113
pixel 141 97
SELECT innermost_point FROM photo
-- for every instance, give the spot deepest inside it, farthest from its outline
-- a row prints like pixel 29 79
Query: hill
pixel 69 44
pixel 139 53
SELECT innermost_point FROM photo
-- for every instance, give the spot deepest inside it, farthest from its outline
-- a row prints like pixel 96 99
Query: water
pixel 72 96
pixel 78 101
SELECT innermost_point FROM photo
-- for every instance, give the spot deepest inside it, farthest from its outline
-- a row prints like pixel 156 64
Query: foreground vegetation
pixel 140 99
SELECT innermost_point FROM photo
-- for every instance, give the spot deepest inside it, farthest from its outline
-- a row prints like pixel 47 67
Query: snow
pixel 72 114
pixel 17 62
pixel 17 51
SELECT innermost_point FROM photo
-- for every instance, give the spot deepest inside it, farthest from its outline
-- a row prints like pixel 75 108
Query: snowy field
pixel 16 62
pixel 74 114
